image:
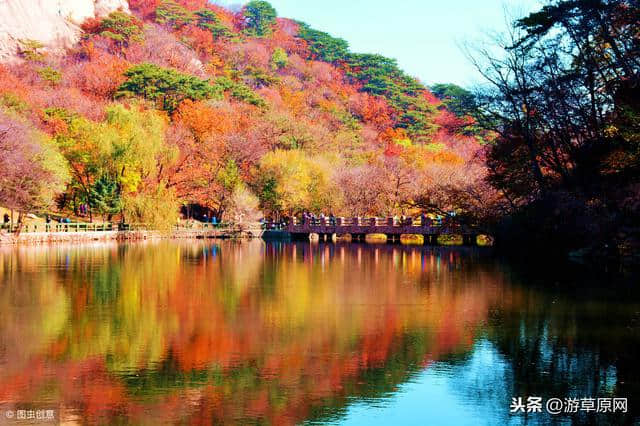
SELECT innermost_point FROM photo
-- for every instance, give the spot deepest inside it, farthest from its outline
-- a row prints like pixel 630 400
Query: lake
pixel 248 332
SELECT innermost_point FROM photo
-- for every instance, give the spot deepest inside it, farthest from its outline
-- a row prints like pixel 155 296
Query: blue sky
pixel 423 35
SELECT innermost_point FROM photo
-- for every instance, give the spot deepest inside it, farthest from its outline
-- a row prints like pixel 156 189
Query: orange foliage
pixel 447 157
pixel 55 126
pixel 200 40
pixel 391 139
pixel 393 135
pixel 295 101
pixel 193 4
pixel 284 36
pixel 146 8
pixel 10 83
pixel 371 109
pixel 226 17
pixel 91 25
pixel 102 75
pixel 431 98
pixel 203 120
pixel 392 150
pixel 451 122
pixel 215 66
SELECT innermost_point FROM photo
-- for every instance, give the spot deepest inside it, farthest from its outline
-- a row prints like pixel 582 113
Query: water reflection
pixel 282 333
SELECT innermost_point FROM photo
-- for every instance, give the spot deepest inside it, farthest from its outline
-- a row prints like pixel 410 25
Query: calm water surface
pixel 280 333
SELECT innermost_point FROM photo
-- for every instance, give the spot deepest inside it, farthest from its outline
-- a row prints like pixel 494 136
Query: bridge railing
pixel 368 222
pixel 107 226
pixel 275 226
pixel 202 226
pixel 67 227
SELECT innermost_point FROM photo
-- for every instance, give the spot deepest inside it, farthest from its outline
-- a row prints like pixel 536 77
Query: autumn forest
pixel 144 144
pixel 184 104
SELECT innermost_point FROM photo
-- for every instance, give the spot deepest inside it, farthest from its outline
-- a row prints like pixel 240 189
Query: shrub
pixel 50 75
pixel 279 59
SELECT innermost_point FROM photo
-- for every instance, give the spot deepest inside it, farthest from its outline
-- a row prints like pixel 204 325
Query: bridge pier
pixel 430 239
pixel 358 237
pixel 469 239
pixel 300 236
pixel 358 228
pixel 393 239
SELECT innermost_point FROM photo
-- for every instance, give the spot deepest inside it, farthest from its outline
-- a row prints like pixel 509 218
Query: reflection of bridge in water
pixel 392 228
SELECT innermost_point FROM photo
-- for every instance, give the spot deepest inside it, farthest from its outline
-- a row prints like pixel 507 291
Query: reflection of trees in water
pixel 569 337
pixel 245 330
pixel 33 311
pixel 315 350
pixel 286 332
pixel 242 382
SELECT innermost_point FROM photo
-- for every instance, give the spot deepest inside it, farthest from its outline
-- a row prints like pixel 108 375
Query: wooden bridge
pixel 392 228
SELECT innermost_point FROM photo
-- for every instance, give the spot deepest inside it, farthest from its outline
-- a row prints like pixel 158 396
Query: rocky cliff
pixel 55 23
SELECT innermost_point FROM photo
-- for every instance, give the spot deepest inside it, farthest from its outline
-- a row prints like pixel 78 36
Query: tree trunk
pixel 89 207
pixel 20 224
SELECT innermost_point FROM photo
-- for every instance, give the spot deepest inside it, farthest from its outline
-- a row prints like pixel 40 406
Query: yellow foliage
pixel 301 182
pixel 156 208
pixel 294 100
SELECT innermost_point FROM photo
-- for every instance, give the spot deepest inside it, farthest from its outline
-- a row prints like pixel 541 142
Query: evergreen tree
pixel 208 20
pixel 259 18
pixel 105 197
pixel 165 86
pixel 459 101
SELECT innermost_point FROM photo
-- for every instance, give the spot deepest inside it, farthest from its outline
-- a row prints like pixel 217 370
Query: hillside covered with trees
pixel 243 113
pixel 184 105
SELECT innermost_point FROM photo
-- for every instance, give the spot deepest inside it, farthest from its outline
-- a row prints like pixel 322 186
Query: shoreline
pixel 36 238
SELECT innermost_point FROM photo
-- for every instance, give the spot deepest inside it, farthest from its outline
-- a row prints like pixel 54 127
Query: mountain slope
pixel 235 112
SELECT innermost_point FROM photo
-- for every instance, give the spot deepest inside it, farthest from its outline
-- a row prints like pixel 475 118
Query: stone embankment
pixel 75 237
pixel 82 237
